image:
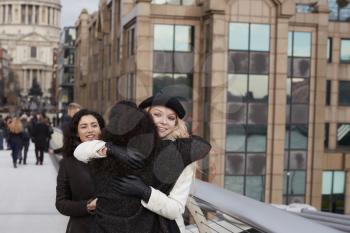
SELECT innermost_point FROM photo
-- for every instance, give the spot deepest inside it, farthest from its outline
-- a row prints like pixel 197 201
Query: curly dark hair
pixel 70 139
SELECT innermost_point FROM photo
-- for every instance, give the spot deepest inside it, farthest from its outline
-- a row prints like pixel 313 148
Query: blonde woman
pixel 168 199
pixel 15 139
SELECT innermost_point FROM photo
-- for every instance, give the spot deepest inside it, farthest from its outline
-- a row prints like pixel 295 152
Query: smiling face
pixel 88 128
pixel 164 119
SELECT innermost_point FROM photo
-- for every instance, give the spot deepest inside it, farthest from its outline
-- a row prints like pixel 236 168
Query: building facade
pixel 265 81
pixel 65 67
pixel 30 32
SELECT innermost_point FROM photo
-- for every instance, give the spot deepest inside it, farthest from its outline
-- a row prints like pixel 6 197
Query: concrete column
pixel 33 14
pixel 26 14
pixel 1 13
pixel 40 15
pixel 6 13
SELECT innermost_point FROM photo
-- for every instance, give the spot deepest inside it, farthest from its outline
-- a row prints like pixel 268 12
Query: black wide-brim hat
pixel 161 99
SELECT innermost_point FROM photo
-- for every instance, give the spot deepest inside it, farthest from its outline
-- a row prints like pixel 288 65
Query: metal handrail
pixel 257 215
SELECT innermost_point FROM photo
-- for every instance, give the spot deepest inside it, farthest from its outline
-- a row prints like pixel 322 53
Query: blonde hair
pixel 180 130
pixel 16 126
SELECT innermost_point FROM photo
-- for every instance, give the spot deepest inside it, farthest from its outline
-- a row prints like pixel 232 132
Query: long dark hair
pixel 70 139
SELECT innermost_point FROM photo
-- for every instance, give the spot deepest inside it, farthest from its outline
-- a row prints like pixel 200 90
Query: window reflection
pixel 255 187
pixel 333 191
pixel 162 61
pixel 235 183
pixel 163 37
pixel 236 113
pixel 338 13
pixel 238 62
pixel 236 137
pixel 344 93
pixel 260 37
pixel 258 88
pixel 297 160
pixel 343 136
pixel 235 164
pixel 259 63
pixel 301 67
pixel 294 182
pixel 256 164
pixel 297 134
pixel 302 44
pixel 300 90
pixel 183 38
pixel 345 51
pixel 239 36
pixel 257 113
pixel 256 138
pixel 237 88
pixel 300 113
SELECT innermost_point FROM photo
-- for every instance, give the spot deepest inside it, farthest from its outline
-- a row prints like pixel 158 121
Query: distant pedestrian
pixel 73 108
pixel 2 128
pixel 26 139
pixel 8 120
pixel 15 139
pixel 40 136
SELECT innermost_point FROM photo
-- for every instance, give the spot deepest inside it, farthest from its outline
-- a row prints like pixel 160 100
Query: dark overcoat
pixel 74 189
pixel 165 161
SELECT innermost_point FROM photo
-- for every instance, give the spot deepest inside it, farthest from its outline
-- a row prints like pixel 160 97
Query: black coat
pixel 166 160
pixel 41 136
pixel 74 189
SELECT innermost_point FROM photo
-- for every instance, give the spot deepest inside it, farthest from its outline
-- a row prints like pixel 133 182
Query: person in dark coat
pixel 40 136
pixel 122 186
pixel 26 139
pixel 15 139
pixel 75 187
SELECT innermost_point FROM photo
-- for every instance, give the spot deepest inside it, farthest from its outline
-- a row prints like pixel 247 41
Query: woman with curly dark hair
pixel 75 188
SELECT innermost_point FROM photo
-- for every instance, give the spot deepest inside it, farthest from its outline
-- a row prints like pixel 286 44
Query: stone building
pixel 266 81
pixel 29 31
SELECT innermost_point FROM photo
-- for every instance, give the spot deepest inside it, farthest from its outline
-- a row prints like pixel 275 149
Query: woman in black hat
pixel 167 113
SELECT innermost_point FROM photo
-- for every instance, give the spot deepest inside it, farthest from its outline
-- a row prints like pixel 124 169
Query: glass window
pixel 329 50
pixel 297 160
pixel 327 182
pixel 304 8
pixel 256 164
pixel 295 181
pixel 297 134
pixel 258 88
pixel 259 37
pixel 256 138
pixel 259 63
pixel 238 62
pixel 300 91
pixel 33 52
pixel 255 187
pixel 344 93
pixel 236 137
pixel 234 164
pixel 183 38
pixel 302 44
pixel 237 88
pixel 301 67
pixel 326 135
pixel 163 37
pixel 257 113
pixel 239 36
pixel 183 62
pixel 235 183
pixel 343 136
pixel 236 113
pixel 338 182
pixel 328 92
pixel 299 114
pixel 290 43
pixel 163 62
pixel 345 50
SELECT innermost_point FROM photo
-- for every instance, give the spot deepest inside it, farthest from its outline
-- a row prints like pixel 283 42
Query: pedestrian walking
pixel 15 139
pixel 75 190
pixel 26 139
pixel 2 128
pixel 40 136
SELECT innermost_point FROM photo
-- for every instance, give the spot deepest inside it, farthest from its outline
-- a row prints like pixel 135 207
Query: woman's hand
pixel 131 158
pixel 91 205
pixel 132 186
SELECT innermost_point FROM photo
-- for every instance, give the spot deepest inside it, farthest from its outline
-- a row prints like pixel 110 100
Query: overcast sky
pixel 72 8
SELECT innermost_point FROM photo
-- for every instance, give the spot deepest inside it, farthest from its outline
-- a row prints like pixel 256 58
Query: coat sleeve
pixel 194 148
pixel 172 206
pixel 89 150
pixel 64 203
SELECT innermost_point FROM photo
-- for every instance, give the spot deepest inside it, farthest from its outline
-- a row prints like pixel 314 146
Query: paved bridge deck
pixel 27 196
